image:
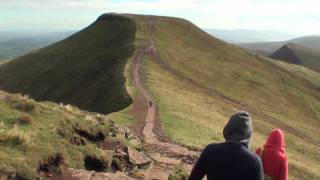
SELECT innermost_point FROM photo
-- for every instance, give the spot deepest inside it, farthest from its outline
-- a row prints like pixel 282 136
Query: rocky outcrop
pixel 138 158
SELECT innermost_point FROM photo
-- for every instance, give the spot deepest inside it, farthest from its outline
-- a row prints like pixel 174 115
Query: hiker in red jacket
pixel 274 159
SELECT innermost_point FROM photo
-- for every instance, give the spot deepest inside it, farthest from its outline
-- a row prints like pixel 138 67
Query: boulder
pixel 138 158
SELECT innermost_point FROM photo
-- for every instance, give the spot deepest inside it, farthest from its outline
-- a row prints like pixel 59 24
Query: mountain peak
pixel 286 54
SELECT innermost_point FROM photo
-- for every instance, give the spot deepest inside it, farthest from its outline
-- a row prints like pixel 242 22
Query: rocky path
pixel 167 153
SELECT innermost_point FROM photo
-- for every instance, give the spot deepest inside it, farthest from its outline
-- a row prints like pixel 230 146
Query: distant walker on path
pixel 150 103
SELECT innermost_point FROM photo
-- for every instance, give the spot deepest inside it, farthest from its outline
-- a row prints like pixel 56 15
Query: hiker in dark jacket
pixel 230 160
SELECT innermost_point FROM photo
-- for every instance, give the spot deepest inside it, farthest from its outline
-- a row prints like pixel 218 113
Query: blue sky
pixel 291 16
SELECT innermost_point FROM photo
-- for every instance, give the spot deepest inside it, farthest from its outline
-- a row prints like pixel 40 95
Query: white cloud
pixel 298 16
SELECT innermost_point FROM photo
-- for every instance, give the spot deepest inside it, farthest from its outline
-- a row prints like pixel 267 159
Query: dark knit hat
pixel 239 128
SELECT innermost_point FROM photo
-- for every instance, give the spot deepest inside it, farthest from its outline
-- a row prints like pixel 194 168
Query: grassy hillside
pixel 85 69
pixel 38 137
pixel 198 81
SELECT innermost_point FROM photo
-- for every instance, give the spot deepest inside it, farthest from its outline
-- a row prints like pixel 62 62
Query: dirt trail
pixel 148 131
pixel 146 111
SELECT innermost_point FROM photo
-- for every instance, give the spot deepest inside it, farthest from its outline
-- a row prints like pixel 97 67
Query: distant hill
pixel 300 55
pixel 15 44
pixel 249 36
pixel 287 54
pixel 267 48
pixel 21 34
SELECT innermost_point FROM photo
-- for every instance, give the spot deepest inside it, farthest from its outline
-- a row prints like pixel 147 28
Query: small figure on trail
pixel 230 160
pixel 274 159
pixel 150 103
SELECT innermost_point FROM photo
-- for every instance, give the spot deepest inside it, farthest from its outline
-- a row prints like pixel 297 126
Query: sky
pixel 290 16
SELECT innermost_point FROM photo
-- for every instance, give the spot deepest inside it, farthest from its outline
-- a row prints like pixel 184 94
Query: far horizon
pixel 228 35
pixel 257 15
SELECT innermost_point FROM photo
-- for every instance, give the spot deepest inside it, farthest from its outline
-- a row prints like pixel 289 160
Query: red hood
pixel 276 140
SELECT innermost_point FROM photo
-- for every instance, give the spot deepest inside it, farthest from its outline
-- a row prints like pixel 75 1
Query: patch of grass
pixel 123 117
pixel 185 120
pixel 25 119
pixel 312 78
pixel 15 137
pixel 175 128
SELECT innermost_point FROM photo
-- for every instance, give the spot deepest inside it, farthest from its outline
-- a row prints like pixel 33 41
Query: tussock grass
pixel 20 102
pixel 15 137
pixel 25 119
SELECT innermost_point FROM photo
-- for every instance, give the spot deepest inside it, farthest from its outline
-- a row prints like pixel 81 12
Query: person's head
pixel 276 140
pixel 239 128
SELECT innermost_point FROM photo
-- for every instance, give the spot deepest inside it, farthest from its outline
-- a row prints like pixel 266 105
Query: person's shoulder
pixel 212 146
pixel 254 157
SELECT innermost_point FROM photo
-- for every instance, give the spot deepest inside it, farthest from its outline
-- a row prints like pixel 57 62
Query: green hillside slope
pixel 198 81
pixel 84 70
